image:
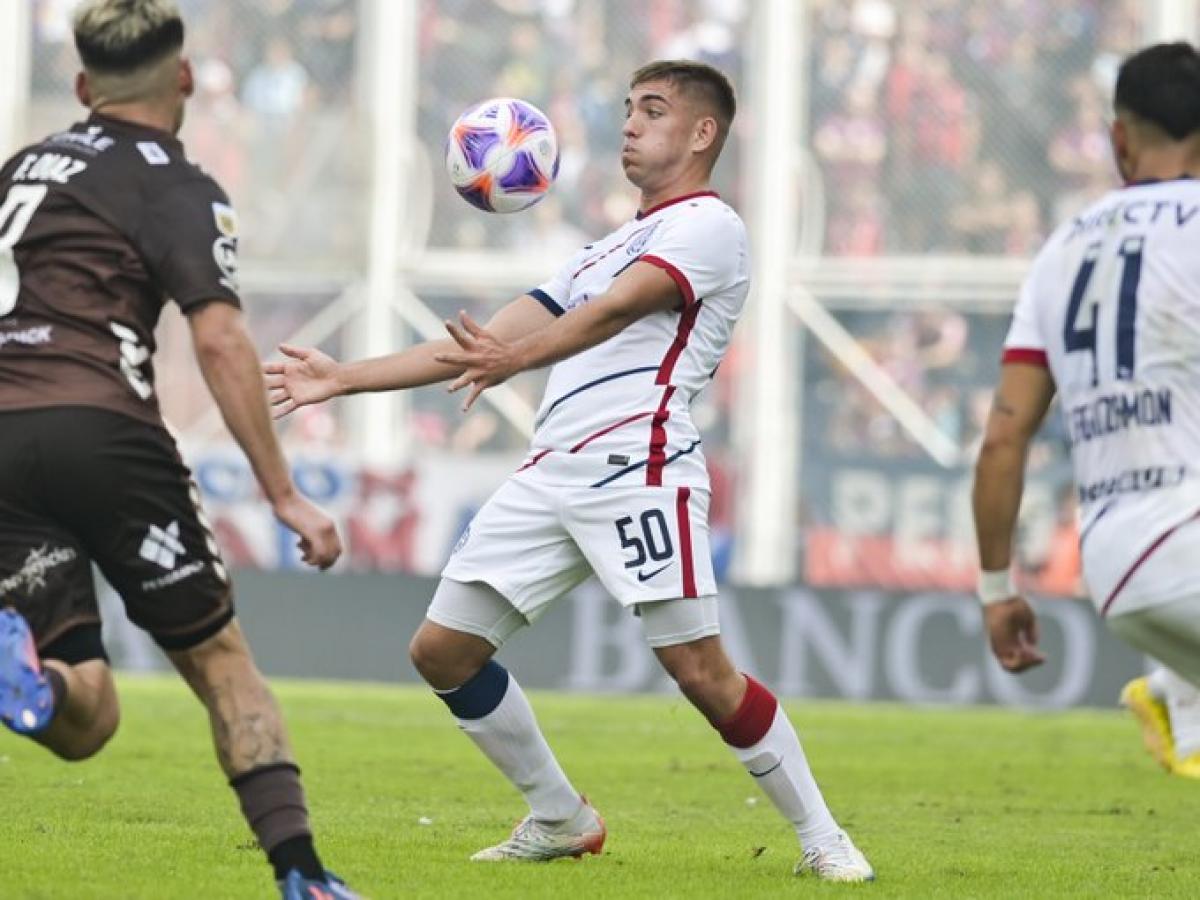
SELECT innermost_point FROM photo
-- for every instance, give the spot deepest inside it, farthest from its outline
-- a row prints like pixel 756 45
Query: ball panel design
pixel 502 155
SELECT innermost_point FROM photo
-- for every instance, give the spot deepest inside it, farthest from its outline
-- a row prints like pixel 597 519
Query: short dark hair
pixel 1161 85
pixel 124 35
pixel 698 79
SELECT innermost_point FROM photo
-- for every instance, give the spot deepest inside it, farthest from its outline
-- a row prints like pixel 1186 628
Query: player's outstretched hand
pixel 486 360
pixel 1013 632
pixel 306 376
pixel 319 544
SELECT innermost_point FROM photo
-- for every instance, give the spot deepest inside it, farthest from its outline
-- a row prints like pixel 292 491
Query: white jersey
pixel 618 413
pixel 1112 306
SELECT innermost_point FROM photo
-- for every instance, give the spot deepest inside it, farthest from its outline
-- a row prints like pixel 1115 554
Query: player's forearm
pixel 232 370
pixel 996 500
pixel 409 368
pixel 573 333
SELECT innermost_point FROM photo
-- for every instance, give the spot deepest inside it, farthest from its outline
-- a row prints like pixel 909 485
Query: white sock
pixel 509 736
pixel 1157 682
pixel 1183 707
pixel 780 768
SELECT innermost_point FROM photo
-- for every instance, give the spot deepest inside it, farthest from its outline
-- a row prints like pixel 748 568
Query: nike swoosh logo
pixel 646 576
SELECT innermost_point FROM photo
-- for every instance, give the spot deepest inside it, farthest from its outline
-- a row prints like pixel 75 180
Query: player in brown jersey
pixel 99 225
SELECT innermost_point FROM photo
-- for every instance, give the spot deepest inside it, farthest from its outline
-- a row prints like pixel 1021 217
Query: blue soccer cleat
pixel 26 700
pixel 297 887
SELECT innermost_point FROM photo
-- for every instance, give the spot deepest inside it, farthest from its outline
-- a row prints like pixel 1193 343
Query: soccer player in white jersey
pixel 635 324
pixel 1109 317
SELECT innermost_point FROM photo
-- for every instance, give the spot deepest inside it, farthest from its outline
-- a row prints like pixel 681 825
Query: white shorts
pixel 533 542
pixel 1170 632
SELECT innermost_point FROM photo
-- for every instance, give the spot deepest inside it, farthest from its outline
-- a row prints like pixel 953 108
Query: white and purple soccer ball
pixel 502 155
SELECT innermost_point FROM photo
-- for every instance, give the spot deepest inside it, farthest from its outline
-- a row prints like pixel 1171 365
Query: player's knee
pixel 695 679
pixel 221 658
pixel 441 664
pixel 703 673
pixel 87 742
pixel 425 657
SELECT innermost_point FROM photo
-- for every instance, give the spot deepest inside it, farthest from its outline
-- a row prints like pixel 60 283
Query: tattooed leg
pixel 247 726
pixel 253 748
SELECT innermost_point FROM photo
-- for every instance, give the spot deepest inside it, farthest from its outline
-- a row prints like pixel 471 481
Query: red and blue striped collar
pixel 642 213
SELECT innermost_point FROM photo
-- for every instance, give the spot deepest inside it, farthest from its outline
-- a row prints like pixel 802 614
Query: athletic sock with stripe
pixel 495 713
pixel 764 741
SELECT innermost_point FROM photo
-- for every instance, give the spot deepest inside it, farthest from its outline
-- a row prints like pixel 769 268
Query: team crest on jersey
pixel 226 219
pixel 639 239
pixel 153 153
pixel 225 246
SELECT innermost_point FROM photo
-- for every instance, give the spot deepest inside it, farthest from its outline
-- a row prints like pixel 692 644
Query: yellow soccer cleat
pixel 1188 767
pixel 1151 714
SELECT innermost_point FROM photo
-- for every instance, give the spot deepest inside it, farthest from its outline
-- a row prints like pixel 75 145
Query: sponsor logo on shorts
pixel 646 576
pixel 32 574
pixel 165 581
pixel 162 546
pixel 30 337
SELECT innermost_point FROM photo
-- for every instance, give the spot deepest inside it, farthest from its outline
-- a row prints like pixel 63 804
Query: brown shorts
pixel 81 485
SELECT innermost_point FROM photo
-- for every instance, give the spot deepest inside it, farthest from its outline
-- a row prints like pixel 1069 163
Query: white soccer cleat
pixel 839 860
pixel 534 841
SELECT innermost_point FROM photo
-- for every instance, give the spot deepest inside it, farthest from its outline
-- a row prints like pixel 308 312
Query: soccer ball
pixel 502 155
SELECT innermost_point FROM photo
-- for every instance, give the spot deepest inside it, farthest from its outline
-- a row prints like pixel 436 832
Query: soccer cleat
pixel 1188 767
pixel 297 887
pixel 534 841
pixel 839 860
pixel 26 700
pixel 1155 723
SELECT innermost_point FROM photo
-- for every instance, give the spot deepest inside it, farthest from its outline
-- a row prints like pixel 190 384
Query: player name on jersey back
pixel 618 413
pixel 99 225
pixel 1112 307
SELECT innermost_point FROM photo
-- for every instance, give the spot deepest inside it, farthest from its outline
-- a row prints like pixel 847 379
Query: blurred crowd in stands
pixel 962 126
pixel 274 118
pixel 279 112
pixel 937 126
pixel 947 361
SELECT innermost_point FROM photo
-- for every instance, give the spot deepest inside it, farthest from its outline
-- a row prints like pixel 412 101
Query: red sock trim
pixel 753 718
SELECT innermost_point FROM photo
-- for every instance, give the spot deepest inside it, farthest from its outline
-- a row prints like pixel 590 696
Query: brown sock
pixel 272 801
pixel 58 685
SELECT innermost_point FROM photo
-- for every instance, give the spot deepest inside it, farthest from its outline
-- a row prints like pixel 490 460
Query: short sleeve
pixel 189 239
pixel 555 294
pixel 704 252
pixel 1025 342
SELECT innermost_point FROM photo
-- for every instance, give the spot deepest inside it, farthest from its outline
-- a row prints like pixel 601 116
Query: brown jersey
pixel 99 225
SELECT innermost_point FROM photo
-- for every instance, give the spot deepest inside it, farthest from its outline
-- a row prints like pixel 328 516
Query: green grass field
pixel 949 803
